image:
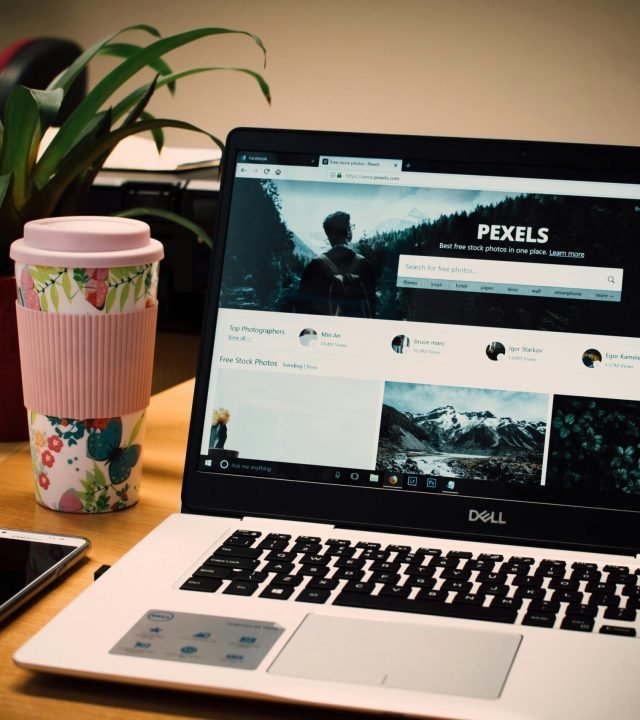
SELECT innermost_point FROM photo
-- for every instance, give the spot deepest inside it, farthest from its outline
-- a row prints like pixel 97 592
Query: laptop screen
pixel 397 325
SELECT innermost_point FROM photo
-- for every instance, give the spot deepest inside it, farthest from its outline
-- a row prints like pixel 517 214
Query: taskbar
pixel 227 462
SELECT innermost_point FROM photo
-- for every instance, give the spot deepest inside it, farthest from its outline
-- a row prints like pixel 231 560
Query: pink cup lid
pixel 86 241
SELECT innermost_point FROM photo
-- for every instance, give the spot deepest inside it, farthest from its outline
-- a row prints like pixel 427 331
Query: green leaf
pixel 44 305
pixel 124 294
pixel 5 183
pixel 65 79
pixel 54 298
pixel 66 286
pixel 27 112
pixel 136 430
pixel 139 288
pixel 126 50
pixel 120 108
pixel 111 298
pixel 198 231
pixel 101 480
pixel 77 162
pixel 89 106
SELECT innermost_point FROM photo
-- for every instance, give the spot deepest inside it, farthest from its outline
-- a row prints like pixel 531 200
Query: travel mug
pixel 87 311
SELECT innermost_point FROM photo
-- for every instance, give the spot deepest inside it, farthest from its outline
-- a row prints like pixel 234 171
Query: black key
pixel 552 571
pixel 633 603
pixel 201 584
pixel 600 587
pixel 277 592
pixel 241 587
pixel 251 575
pixel 240 540
pixel 342 551
pixel 399 548
pixel 582 610
pixel 455 574
pixel 233 562
pixel 432 552
pixel 530 593
pixel 617 613
pixel 270 543
pixel 584 565
pixel 313 595
pixel 281 568
pixel 399 604
pixel 568 596
pixel 493 589
pixel 356 563
pixel 395 590
pixel 550 607
pixel 522 560
pixel 368 545
pixel 463 586
pixel 581 624
pixel 314 570
pixel 307 547
pixel 445 562
pixel 360 586
pixel 539 619
pixel 618 630
pixel 514 603
pixel 606 599
pixel 515 568
pixel 323 583
pixel 421 570
pixel 281 556
pixel 432 595
pixel 308 539
pixel 491 556
pixel 616 569
pixel 378 566
pixel 499 578
pixel 315 560
pixel 386 578
pixel 237 551
pixel 460 554
pixel 480 565
pixel 420 581
pixel 213 572
pixel 382 555
pixel 564 584
pixel 334 541
pixel 287 580
pixel 348 574
pixel 530 581
pixel 469 598
pixel 588 574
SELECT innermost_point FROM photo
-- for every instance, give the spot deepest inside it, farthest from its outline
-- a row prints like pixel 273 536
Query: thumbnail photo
pixel 594 445
pixel 466 433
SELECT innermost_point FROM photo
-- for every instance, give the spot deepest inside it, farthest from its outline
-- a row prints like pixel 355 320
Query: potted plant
pixel 56 182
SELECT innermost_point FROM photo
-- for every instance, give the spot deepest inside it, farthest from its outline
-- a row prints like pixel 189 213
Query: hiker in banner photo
pixel 339 281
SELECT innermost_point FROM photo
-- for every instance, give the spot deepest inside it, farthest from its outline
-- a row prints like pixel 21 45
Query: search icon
pixel 611 279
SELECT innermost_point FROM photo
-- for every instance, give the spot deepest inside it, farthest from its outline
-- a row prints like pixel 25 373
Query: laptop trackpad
pixel 471 663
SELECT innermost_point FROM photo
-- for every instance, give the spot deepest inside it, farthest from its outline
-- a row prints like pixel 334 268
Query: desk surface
pixel 30 695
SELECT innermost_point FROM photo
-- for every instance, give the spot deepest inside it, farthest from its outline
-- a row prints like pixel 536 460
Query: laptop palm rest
pixel 407 656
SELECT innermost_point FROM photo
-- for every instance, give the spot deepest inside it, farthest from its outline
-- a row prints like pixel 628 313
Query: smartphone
pixel 29 561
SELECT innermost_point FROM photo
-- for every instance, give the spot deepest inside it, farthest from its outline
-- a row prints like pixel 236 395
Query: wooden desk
pixel 28 695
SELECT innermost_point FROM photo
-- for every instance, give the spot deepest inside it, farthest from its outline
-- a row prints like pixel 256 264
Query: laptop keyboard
pixel 548 593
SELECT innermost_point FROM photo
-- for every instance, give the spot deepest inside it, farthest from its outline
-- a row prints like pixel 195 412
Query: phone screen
pixel 27 562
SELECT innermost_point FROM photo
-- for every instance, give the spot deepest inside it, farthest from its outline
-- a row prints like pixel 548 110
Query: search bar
pixel 510 278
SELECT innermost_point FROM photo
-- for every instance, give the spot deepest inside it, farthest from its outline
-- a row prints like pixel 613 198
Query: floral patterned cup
pixel 87 294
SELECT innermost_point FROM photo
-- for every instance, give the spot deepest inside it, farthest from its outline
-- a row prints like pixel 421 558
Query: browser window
pixel 427 332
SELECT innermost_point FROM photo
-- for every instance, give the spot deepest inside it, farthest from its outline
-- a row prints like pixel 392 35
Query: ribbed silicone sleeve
pixel 86 366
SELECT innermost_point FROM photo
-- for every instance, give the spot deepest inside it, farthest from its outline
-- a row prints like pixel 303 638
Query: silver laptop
pixel 412 481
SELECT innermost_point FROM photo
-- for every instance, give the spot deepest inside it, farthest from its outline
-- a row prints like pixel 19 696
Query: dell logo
pixel 493 517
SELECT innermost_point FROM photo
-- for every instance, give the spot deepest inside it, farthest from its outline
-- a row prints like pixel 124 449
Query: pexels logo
pixel 486 516
pixel 513 233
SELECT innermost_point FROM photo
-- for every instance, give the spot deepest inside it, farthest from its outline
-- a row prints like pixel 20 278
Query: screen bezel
pixel 524 521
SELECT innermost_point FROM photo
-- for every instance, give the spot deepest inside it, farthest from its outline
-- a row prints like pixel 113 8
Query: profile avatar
pixel 495 350
pixel 591 358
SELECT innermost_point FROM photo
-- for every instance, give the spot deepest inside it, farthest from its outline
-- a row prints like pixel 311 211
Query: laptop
pixel 412 481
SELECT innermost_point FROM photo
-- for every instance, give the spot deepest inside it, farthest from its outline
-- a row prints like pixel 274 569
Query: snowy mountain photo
pixel 477 434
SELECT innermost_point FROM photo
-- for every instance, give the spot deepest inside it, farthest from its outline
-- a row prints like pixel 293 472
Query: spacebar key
pixel 426 607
